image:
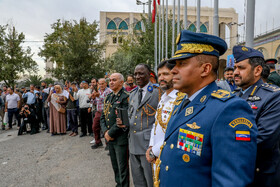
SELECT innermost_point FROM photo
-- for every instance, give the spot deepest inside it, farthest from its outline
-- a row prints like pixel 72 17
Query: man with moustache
pixel 228 74
pixel 210 139
pixel 114 131
pixel 143 102
pixel 164 110
pixel 264 100
pixel 228 84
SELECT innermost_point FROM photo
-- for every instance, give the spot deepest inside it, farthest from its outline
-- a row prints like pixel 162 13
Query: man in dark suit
pixel 116 133
pixel 264 100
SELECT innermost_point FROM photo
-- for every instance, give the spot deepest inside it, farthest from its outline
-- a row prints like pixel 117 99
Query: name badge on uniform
pixel 190 141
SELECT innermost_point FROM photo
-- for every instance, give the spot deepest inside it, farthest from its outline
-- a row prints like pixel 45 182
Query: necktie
pixel 140 96
pixel 185 103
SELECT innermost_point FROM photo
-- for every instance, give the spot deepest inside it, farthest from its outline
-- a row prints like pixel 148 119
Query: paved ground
pixel 44 160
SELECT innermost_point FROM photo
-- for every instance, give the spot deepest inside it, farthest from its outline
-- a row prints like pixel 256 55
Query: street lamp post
pixel 138 2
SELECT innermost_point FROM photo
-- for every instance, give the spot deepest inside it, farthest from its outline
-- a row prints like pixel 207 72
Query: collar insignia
pixel 189 111
pixel 202 99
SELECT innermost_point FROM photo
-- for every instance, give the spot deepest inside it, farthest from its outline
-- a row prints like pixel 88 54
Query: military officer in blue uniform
pixel 264 99
pixel 210 139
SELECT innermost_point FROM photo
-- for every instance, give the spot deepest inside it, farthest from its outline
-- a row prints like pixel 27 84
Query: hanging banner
pixel 230 61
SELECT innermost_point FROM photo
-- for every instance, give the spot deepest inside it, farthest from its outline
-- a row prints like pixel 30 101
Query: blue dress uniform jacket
pixel 264 100
pixel 210 142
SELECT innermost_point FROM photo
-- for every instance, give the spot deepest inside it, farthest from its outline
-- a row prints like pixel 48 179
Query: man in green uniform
pixel 274 77
pixel 116 133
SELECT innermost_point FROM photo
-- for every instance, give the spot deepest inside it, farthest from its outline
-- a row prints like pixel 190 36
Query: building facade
pixel 115 26
pixel 269 44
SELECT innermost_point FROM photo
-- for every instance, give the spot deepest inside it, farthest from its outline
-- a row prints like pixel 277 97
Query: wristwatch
pixel 151 154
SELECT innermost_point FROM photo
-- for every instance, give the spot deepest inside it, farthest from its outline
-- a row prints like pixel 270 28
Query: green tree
pixel 14 60
pixel 74 48
pixel 49 81
pixel 33 79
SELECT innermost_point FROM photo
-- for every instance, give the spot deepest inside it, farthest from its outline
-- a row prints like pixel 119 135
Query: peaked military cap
pixel 190 44
pixel 271 61
pixel 241 53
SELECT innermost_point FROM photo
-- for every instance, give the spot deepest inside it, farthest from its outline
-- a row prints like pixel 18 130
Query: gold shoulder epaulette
pixel 270 87
pixel 179 98
pixel 221 94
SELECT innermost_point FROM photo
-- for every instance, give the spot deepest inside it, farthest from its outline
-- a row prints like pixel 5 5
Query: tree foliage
pixel 49 81
pixel 137 48
pixel 74 49
pixel 33 79
pixel 14 60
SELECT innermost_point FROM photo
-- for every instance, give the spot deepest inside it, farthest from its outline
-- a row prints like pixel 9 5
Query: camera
pixel 88 101
pixel 26 108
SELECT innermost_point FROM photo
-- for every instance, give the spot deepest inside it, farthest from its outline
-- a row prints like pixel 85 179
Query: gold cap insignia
pixel 186 157
pixel 244 49
pixel 193 126
pixel 189 111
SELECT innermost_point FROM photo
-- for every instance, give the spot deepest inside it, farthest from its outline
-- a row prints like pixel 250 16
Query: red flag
pixel 154 11
pixel 158 2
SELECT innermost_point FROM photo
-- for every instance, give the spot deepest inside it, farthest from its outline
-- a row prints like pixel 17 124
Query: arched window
pixel 138 26
pixel 123 26
pixel 112 25
pixel 203 28
pixel 192 28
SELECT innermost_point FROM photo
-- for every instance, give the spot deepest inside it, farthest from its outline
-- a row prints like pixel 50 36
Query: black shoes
pixel 90 134
pixel 106 148
pixel 82 135
pixel 95 146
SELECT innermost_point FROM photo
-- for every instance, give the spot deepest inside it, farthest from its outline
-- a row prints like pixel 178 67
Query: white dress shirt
pixel 83 96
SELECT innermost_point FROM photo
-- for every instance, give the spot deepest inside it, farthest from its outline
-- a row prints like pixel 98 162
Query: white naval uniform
pixel 157 133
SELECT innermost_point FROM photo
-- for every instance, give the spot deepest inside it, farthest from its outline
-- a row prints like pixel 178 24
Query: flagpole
pixel 178 18
pixel 198 17
pixel 186 15
pixel 159 32
pixel 155 30
pixel 216 18
pixel 166 31
pixel 162 26
pixel 173 28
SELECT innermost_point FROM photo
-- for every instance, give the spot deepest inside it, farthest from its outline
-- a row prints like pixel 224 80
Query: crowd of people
pixel 181 127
